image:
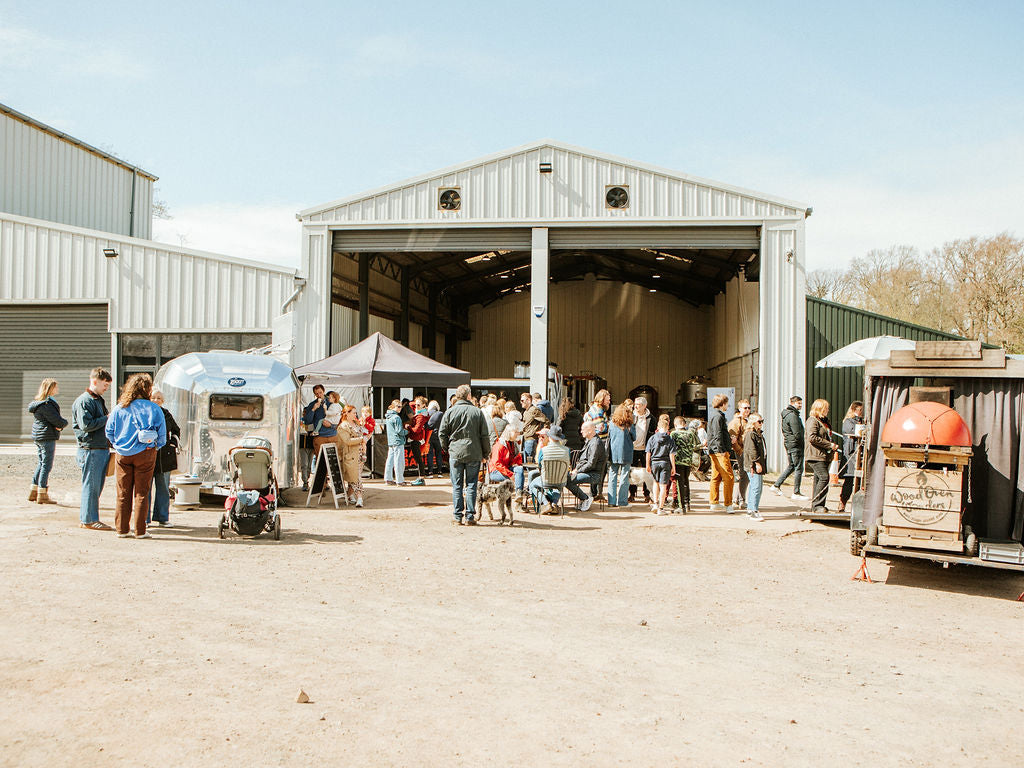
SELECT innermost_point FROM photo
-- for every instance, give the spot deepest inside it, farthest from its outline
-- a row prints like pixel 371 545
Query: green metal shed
pixel 831 326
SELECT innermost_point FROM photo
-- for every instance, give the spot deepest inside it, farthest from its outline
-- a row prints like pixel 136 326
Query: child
pixel 755 457
pixel 369 425
pixel 660 463
pixel 394 467
pixel 685 442
pixel 332 416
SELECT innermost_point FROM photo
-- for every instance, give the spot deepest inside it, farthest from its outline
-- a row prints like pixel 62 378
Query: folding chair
pixel 554 472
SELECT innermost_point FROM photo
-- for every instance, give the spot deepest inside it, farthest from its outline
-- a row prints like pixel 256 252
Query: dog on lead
pixel 490 494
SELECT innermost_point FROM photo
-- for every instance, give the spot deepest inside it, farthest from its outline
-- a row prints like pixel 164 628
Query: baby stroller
pixel 251 507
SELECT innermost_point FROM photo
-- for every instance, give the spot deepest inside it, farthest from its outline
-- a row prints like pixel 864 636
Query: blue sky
pixel 899 122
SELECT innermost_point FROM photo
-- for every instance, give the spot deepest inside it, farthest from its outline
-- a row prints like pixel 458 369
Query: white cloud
pixel 24 49
pixel 268 233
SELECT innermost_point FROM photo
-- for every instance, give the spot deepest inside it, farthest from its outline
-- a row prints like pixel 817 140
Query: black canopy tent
pixel 378 361
pixel 362 373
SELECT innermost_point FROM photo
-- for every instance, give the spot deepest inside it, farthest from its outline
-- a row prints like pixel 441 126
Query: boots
pixel 33 492
pixel 43 497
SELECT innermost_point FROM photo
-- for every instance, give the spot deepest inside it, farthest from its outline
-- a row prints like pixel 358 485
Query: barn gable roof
pixel 508 186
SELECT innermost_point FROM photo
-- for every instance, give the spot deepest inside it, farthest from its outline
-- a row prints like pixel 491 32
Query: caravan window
pixel 236 407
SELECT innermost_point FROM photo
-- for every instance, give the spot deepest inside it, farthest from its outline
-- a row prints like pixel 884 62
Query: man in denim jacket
pixel 89 419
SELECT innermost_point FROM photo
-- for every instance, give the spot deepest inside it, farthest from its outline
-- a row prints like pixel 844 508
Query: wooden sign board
pixel 327 476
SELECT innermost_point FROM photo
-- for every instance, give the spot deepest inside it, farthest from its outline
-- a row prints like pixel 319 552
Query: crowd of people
pixel 490 440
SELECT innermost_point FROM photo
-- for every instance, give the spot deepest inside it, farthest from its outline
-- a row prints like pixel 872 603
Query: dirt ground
pixel 606 638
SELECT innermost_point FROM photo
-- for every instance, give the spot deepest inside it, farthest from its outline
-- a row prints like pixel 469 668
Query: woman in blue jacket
pixel 621 435
pixel 394 467
pixel 136 429
pixel 45 432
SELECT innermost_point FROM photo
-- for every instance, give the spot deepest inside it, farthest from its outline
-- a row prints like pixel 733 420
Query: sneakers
pixel 660 511
pixel 390 482
pixel 799 497
pixel 419 481
pixel 470 521
pixel 96 526
pixel 146 535
pixel 777 489
pixel 586 503
pixel 359 502
pixel 123 535
pixel 730 509
pixel 165 523
pixel 755 515
pixel 718 507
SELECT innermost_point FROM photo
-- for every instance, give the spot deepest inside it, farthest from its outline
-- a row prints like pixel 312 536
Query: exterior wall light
pixel 545 168
pixel 110 253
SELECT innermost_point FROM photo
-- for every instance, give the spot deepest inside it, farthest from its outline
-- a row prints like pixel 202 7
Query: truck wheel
pixel 856 543
pixel 971 543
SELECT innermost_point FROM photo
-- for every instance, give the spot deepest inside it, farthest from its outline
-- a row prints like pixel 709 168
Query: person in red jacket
pixel 418 436
pixel 506 460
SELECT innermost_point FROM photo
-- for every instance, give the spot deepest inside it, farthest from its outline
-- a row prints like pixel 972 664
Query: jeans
pixel 434 463
pixel 820 471
pixel 721 474
pixel 517 477
pixel 161 498
pixel 796 468
pixel 394 467
pixel 464 480
pixel 305 460
pixel 537 491
pixel 45 449
pixel 618 485
pixel 754 492
pixel 529 448
pixel 742 481
pixel 94 474
pixel 573 483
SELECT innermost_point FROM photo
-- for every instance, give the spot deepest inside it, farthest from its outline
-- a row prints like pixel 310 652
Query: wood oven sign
pixel 924 497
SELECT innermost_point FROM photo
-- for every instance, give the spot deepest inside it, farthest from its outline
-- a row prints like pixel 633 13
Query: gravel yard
pixel 608 638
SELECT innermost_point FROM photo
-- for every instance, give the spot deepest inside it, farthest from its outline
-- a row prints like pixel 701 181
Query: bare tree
pixel 160 208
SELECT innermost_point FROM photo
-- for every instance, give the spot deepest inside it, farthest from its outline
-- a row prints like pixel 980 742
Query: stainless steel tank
pixel 218 398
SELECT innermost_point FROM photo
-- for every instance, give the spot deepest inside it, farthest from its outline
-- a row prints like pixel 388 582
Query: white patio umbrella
pixel 873 348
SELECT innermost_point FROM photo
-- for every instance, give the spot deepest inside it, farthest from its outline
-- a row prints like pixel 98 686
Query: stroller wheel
pixel 220 529
pixel 277 528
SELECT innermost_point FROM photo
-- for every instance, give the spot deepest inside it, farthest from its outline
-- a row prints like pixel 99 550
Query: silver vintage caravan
pixel 220 397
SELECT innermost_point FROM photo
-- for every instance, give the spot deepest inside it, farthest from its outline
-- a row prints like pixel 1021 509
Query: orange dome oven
pixel 927 450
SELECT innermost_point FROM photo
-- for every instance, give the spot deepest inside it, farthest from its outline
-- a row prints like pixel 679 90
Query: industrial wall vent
pixel 616 196
pixel 449 199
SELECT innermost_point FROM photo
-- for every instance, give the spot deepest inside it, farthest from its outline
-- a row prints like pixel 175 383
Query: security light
pixel 110 253
pixel 545 168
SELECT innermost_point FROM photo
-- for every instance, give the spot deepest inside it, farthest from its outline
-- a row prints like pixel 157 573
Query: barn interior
pixel 638 314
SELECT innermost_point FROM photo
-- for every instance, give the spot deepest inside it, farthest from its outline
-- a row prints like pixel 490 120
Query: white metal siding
pixel 150 286
pixel 45 177
pixel 510 187
pixel 783 329
pixel 345 328
pixel 620 332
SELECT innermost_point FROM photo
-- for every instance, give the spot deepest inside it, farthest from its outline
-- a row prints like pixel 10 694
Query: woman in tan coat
pixel 350 441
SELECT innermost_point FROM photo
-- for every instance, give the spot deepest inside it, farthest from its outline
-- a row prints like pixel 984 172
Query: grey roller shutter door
pixel 730 238
pixel 45 341
pixel 474 239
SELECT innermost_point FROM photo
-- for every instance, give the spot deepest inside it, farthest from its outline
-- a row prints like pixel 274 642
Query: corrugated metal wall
pixel 345 327
pixel 45 177
pixel 149 286
pixel 510 187
pixel 620 332
pixel 831 326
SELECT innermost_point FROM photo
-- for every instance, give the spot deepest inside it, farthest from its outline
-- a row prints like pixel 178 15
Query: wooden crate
pixel 922 508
